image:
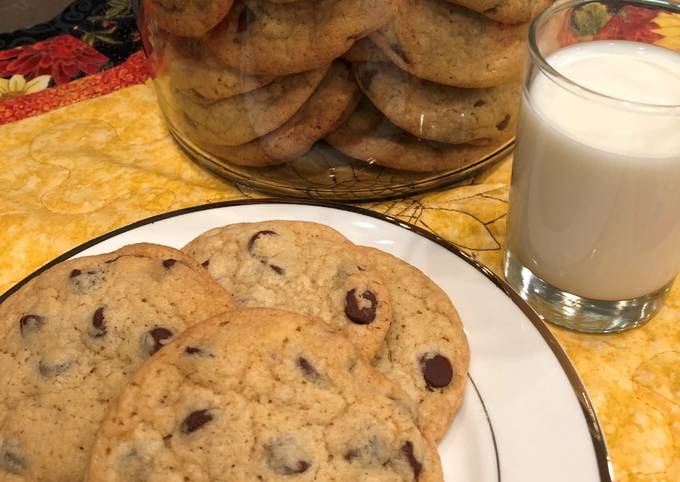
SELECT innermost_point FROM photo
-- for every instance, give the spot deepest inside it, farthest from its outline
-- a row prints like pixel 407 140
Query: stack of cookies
pixel 262 351
pixel 419 85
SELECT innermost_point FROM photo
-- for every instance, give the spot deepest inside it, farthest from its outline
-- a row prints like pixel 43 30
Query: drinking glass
pixel 593 239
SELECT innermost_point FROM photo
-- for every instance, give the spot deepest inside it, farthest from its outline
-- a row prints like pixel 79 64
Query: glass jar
pixel 339 99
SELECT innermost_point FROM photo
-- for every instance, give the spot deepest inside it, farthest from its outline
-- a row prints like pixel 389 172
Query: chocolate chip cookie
pixel 303 267
pixel 194 70
pixel 70 339
pixel 334 99
pixel 506 11
pixel 425 352
pixel 190 18
pixel 442 42
pixel 241 118
pixel 367 135
pixel 265 38
pixel 439 112
pixel 267 395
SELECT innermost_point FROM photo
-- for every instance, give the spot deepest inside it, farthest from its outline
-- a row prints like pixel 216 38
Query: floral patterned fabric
pixel 62 58
pixel 595 21
pixel 89 37
pixel 17 85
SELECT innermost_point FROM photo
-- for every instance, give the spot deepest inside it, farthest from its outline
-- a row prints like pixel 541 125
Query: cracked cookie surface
pixel 447 44
pixel 425 351
pixel 368 135
pixel 195 71
pixel 191 18
pixel 241 118
pixel 262 394
pixel 73 335
pixel 439 112
pixel 303 267
pixel 267 38
pixel 506 11
pixel 334 99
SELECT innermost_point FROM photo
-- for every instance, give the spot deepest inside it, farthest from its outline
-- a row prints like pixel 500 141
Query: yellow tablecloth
pixel 75 173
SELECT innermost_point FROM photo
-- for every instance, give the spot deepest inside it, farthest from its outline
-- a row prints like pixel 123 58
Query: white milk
pixel 595 200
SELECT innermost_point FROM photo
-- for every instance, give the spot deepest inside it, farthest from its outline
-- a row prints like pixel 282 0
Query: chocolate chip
pixel 245 18
pixel 10 459
pixel 360 315
pixel 205 263
pixel 192 350
pixel 300 467
pixel 86 280
pixel 369 451
pixel 256 236
pixel 155 339
pixel 169 262
pixel 351 455
pixel 195 420
pixel 504 123
pixel 479 103
pixel 251 244
pixel 30 324
pixel 407 450
pixel 98 328
pixel 48 369
pixel 437 370
pixel 134 464
pixel 307 368
pixel 286 457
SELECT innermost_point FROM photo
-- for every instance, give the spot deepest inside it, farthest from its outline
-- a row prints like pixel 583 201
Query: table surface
pixel 75 172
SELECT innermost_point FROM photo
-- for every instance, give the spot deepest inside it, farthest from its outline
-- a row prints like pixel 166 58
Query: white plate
pixel 526 416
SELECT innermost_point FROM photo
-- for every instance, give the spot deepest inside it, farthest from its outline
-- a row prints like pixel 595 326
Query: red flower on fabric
pixel 631 23
pixel 63 58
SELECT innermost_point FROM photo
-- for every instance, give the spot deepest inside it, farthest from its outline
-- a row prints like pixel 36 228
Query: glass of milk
pixel 593 240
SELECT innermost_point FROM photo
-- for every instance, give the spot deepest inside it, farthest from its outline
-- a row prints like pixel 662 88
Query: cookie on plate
pixel 199 74
pixel 367 135
pixel 299 266
pixel 266 38
pixel 333 100
pixel 189 18
pixel 71 338
pixel 447 44
pixel 262 394
pixel 425 351
pixel 439 112
pixel 241 118
pixel 506 11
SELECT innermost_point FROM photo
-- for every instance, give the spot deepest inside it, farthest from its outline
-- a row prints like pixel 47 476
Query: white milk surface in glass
pixel 595 200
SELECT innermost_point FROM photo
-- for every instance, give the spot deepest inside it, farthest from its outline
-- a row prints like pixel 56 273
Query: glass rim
pixel 557 77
